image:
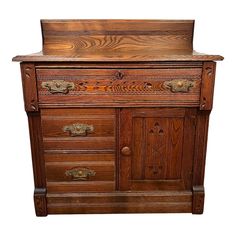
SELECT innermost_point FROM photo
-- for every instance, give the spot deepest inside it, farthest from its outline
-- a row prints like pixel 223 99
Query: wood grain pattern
pixel 142 98
pixel 77 157
pixel 57 164
pixel 119 65
pixel 104 170
pixel 199 160
pixel 141 56
pixel 76 187
pixel 106 26
pixel 156 143
pixel 117 40
pixel 40 202
pixel 105 86
pixel 54 137
pixel 123 207
pixel 151 159
pixel 207 87
pixel 115 35
pixel 29 86
pixel 200 147
pixel 53 124
pixel 198 199
pixel 120 202
pixel 190 120
pixel 34 120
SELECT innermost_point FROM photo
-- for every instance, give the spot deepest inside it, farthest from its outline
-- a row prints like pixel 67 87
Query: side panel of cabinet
pixel 156 148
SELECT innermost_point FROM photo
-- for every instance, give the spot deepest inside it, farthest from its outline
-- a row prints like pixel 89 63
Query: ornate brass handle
pixel 58 86
pixel 78 129
pixel 179 85
pixel 78 173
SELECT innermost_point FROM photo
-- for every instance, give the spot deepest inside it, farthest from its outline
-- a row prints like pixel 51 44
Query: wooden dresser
pixel 118 115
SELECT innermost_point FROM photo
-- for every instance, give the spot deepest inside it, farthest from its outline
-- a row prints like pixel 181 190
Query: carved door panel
pixel 156 148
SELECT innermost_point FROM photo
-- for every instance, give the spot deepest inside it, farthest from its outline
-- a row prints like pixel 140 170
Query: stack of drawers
pixel 85 155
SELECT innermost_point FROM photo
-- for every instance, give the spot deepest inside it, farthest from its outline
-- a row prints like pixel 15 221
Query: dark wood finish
pixel 119 65
pixel 104 170
pixel 102 138
pixel 207 88
pixel 116 87
pixel 156 147
pixel 120 202
pixel 199 160
pixel 85 186
pixel 38 163
pixel 29 86
pixel 198 199
pixel 40 202
pixel 54 120
pixel 118 116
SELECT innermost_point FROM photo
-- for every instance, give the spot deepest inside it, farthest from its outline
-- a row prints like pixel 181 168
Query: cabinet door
pixel 156 148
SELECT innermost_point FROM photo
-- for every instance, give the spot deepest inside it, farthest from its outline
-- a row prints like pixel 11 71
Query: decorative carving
pixel 78 129
pixel 147 85
pixel 29 86
pixel 28 71
pixel 118 86
pixel 155 167
pixel 179 85
pixel 156 129
pixel 209 71
pixel 33 104
pixel 80 173
pixel 207 85
pixel 58 86
pixel 203 103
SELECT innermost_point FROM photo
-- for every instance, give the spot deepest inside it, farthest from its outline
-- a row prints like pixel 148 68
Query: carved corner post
pixel 29 85
pixel 206 101
pixel 207 85
pixel 31 106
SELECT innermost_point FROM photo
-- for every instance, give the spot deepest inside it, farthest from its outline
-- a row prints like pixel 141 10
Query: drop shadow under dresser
pixel 118 116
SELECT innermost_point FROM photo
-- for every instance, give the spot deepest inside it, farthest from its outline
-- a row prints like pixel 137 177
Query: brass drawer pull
pixel 80 173
pixel 179 85
pixel 78 129
pixel 58 86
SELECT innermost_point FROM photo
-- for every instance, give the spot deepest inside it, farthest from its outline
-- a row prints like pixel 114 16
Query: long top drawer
pixel 124 87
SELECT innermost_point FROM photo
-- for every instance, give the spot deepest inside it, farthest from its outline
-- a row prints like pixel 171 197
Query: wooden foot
pixel 40 202
pixel 198 199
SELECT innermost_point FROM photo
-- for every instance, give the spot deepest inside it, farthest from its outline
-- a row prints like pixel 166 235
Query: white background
pixel 20 34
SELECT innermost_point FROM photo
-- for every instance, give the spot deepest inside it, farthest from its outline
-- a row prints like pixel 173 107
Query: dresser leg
pixel 198 199
pixel 40 202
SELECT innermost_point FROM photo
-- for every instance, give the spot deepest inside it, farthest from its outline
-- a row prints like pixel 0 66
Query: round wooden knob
pixel 125 151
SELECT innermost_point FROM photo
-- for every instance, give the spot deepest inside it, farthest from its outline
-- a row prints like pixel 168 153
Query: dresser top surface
pixel 117 40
